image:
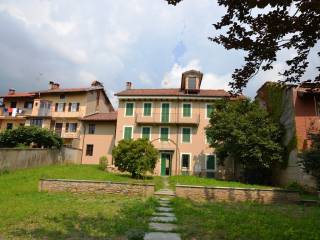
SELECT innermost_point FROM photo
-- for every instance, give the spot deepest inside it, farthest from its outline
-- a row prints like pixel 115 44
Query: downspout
pixel 84 135
pixel 177 135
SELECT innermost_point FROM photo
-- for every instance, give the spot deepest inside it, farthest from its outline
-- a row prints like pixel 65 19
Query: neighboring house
pixel 58 109
pixel 299 113
pixel 174 120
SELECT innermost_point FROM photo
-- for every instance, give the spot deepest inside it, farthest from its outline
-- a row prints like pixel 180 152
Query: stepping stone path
pixel 162 223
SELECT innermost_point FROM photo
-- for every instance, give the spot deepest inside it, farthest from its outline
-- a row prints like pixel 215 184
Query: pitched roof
pixel 63 90
pixel 111 116
pixel 173 92
pixel 18 94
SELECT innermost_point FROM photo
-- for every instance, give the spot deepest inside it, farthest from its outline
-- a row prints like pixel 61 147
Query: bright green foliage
pixel 243 131
pixel 24 136
pixel 311 159
pixel 135 156
pixel 103 163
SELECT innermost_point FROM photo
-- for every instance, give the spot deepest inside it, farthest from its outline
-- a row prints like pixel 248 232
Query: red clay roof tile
pixel 111 116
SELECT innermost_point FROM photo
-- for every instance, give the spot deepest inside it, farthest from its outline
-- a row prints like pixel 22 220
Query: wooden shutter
pixel 67 127
pixel 186 132
pixel 211 162
pixel 127 133
pixel 209 110
pixel 69 108
pixel 164 134
pixel 147 109
pixel 64 107
pixel 187 110
pixel 78 106
pixel 146 133
pixel 56 107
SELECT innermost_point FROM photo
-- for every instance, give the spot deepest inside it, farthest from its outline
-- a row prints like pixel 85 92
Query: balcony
pixel 41 108
pixel 5 113
pixel 158 119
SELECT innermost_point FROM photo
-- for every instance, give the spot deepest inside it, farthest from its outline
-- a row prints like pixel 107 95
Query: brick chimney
pixel 96 83
pixel 11 91
pixel 128 85
pixel 53 85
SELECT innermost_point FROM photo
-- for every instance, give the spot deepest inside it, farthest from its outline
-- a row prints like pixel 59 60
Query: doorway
pixel 165 163
pixel 58 129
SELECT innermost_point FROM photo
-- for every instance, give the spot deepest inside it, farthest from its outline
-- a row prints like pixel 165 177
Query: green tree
pixel 262 28
pixel 311 159
pixel 135 156
pixel 30 134
pixel 243 131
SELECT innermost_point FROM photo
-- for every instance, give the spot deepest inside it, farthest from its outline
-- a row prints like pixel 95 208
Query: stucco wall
pixel 224 194
pixel 11 158
pixel 96 187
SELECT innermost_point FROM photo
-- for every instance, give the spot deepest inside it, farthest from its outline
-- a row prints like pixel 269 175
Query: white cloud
pixel 144 78
pixel 87 77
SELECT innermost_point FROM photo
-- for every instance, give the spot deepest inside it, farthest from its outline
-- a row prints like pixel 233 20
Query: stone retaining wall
pixel 96 187
pixel 225 194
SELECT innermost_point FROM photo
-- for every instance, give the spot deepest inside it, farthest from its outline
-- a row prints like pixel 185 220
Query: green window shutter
pixel 187 110
pixel 129 109
pixel 211 162
pixel 146 132
pixel 128 133
pixel 209 110
pixel 147 109
pixel 186 135
pixel 164 134
pixel 165 110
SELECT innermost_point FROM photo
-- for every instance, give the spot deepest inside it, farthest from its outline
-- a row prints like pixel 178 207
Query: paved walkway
pixel 162 223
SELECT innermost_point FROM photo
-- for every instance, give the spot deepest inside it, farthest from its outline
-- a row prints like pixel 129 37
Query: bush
pixel 135 156
pixel 24 136
pixel 103 163
pixel 135 234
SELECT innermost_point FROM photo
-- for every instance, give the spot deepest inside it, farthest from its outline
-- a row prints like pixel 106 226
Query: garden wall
pixel 13 158
pixel 96 187
pixel 220 194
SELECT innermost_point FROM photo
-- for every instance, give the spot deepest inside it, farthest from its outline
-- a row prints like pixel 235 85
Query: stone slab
pixel 162 236
pixel 164 214
pixel 164 209
pixel 164 199
pixel 164 204
pixel 163 219
pixel 163 227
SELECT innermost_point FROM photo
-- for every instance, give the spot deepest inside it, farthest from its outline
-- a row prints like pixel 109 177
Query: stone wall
pixel 225 194
pixel 96 187
pixel 13 158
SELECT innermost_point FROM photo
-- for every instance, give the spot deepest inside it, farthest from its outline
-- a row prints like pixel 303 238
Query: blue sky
pixel 147 42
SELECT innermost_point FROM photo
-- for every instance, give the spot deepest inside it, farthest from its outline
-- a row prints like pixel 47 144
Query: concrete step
pixel 163 227
pixel 162 236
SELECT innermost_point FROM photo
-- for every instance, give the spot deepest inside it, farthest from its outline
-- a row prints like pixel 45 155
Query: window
pixel 165 112
pixel 28 105
pixel 211 162
pixel 89 150
pixel 129 109
pixel 186 110
pixel 146 132
pixel 147 109
pixel 36 122
pixel 127 134
pixel 209 110
pixel 164 134
pixel 13 104
pixel 71 127
pixel 186 135
pixel 60 107
pixel 9 125
pixel 74 107
pixel 92 128
pixel 192 83
pixel 185 161
pixel 62 96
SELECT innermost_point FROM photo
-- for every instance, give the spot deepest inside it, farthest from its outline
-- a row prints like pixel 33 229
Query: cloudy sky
pixel 147 42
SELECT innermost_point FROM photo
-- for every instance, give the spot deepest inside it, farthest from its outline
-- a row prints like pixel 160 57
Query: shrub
pixel 135 234
pixel 24 136
pixel 103 163
pixel 135 156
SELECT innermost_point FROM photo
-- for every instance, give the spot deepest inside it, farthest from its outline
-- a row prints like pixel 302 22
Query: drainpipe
pixel 84 135
pixel 177 135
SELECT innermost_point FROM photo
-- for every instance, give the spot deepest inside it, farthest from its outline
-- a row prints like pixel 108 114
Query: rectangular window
pixel 209 110
pixel 147 109
pixel 89 150
pixel 187 110
pixel 36 122
pixel 92 128
pixel 74 107
pixel 192 83
pixel 185 161
pixel 127 133
pixel 211 162
pixel 186 135
pixel 28 105
pixel 129 109
pixel 60 107
pixel 13 104
pixel 71 127
pixel 9 126
pixel 164 134
pixel 146 132
pixel 165 112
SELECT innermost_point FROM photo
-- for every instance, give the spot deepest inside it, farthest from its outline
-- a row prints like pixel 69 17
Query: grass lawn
pixel 27 214
pixel 201 181
pixel 246 221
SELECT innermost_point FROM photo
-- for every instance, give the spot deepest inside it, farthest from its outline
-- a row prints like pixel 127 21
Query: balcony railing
pixel 158 118
pixel 11 113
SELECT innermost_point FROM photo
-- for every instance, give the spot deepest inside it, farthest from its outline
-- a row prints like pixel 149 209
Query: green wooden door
pixel 165 109
pixel 165 164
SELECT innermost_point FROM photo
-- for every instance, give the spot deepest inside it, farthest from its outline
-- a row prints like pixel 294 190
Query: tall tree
pixel 262 28
pixel 243 131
